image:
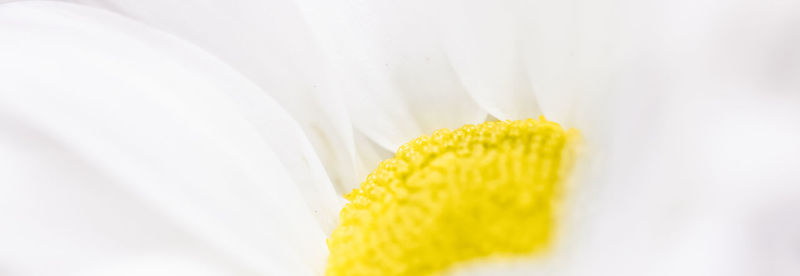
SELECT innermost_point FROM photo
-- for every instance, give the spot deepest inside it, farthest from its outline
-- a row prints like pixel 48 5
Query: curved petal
pixel 370 156
pixel 570 53
pixel 702 157
pixel 326 124
pixel 522 59
pixel 692 169
pixel 400 82
pixel 481 38
pixel 270 43
pixel 121 143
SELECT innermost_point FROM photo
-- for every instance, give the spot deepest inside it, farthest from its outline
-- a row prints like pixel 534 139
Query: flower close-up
pixel 361 137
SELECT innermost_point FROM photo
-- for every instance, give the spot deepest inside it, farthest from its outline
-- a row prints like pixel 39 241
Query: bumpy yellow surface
pixel 482 190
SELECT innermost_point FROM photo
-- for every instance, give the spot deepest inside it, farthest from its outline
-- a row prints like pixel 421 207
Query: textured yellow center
pixel 482 190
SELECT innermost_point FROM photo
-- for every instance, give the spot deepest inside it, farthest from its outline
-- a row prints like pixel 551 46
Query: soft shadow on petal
pixel 521 59
pixel 121 142
pixel 695 173
pixel 270 43
pixel 571 52
pixel 370 156
pixel 400 82
pixel 694 157
pixel 282 62
pixel 704 143
pixel 482 40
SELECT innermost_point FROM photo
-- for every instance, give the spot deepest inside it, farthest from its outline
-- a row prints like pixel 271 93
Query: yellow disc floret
pixel 484 190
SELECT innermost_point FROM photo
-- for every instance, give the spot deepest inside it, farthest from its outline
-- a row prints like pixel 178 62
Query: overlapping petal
pixel 269 42
pixel 400 82
pixel 690 129
pixel 121 144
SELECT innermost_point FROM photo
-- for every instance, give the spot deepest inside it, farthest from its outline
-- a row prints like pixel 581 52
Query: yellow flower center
pixel 484 190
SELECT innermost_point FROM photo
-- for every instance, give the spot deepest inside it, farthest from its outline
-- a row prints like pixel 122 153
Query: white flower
pixel 152 145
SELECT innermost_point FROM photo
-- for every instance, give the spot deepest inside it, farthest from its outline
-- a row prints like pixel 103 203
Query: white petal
pixel 370 156
pixel 121 143
pixel 552 41
pixel 704 161
pixel 400 83
pixel 521 59
pixel 290 69
pixel 692 163
pixel 270 43
pixel 685 188
pixel 481 38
